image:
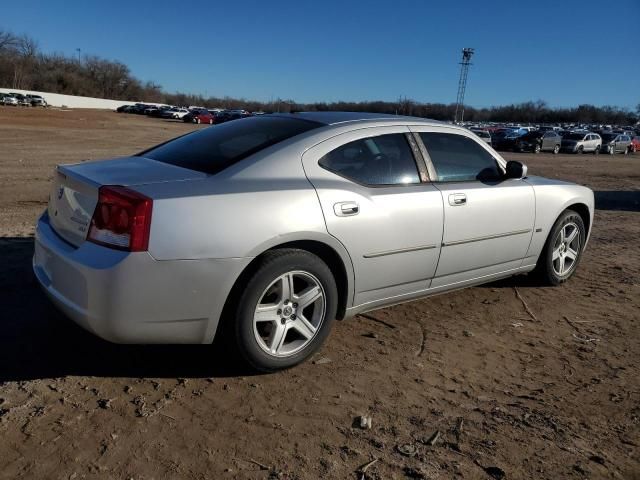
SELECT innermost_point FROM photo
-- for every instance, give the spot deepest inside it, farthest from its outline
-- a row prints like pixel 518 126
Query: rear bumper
pixel 128 297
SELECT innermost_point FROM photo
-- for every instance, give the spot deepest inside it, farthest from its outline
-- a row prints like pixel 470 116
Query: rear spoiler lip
pixel 65 171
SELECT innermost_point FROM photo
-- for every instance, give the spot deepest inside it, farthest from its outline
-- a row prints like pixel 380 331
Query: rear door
pixel 377 201
pixel 488 220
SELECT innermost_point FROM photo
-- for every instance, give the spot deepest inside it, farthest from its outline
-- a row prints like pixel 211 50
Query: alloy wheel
pixel 566 249
pixel 289 313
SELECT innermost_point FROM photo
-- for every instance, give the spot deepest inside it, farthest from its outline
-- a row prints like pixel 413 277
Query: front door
pixel 380 207
pixel 488 220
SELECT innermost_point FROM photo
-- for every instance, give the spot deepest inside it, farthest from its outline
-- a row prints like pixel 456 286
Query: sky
pixel 565 52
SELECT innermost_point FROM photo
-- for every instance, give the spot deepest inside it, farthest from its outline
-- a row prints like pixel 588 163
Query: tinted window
pixel 215 148
pixel 382 160
pixel 459 159
pixel 575 136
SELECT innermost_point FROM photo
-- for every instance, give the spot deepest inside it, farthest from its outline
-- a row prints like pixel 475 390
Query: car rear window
pixel 213 149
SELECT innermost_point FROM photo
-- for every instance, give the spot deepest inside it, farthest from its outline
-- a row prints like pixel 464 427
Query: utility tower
pixel 467 53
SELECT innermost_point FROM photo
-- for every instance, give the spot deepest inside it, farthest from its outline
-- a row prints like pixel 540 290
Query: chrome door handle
pixel 456 199
pixel 346 209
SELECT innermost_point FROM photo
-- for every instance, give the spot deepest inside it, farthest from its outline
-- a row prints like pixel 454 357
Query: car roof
pixel 334 118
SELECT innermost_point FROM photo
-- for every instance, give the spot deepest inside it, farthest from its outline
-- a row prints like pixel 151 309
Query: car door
pixel 378 202
pixel 488 220
pixel 548 141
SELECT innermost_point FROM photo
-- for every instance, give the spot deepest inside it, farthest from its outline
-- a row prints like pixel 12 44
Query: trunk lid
pixel 74 193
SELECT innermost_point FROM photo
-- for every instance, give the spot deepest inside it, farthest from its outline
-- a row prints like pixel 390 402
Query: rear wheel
pixel 286 310
pixel 563 250
pixel 556 149
pixel 626 151
pixel 597 150
pixel 612 149
pixel 537 148
pixel 211 121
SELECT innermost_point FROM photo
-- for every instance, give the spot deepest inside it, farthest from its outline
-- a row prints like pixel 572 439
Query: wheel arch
pixel 332 253
pixel 582 210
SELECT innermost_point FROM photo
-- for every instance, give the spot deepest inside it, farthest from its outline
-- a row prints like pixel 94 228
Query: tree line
pixel 24 66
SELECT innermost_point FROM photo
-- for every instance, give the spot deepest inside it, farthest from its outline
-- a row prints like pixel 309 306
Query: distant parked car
pixel 505 140
pixel 483 134
pixel 579 142
pixel 23 101
pixel 123 108
pixel 199 116
pixel 616 143
pixel 159 111
pixel 175 112
pixel 8 99
pixel 37 101
pixel 539 141
pixel 139 108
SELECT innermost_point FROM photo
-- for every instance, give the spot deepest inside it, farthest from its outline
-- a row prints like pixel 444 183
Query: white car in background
pixel 7 99
pixel 581 142
pixel 484 135
pixel 177 112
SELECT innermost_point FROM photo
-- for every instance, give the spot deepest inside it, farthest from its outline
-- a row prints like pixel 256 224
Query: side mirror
pixel 516 169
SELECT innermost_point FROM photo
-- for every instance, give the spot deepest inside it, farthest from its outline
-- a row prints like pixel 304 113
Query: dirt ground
pixel 520 381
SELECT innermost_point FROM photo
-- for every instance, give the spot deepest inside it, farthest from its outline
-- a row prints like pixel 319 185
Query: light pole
pixel 78 50
pixel 467 53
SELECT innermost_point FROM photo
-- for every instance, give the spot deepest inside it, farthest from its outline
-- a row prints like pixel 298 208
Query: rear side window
pixel 215 148
pixel 381 160
pixel 457 158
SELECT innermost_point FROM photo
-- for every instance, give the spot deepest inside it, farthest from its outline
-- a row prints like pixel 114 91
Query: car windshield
pixel 575 136
pixel 213 149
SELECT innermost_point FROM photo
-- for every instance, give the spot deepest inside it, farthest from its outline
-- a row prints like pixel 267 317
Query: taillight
pixel 121 220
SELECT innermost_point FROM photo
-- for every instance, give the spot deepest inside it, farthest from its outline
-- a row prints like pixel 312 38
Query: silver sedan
pixel 267 229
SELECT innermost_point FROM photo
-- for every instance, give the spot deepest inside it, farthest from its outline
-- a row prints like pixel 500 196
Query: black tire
pixel 580 150
pixel 597 150
pixel 537 148
pixel 273 265
pixel 556 149
pixel 545 268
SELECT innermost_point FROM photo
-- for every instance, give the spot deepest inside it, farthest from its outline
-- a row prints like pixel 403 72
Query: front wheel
pixel 286 310
pixel 537 149
pixel 563 249
pixel 612 149
pixel 580 150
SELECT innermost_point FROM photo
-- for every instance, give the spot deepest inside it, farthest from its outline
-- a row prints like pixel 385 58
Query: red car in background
pixel 199 116
pixel 635 144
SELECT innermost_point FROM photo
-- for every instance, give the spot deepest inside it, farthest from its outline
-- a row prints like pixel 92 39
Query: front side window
pixel 457 158
pixel 381 160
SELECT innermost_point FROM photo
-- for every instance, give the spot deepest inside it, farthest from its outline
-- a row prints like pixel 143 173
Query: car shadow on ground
pixel 37 341
pixel 621 200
